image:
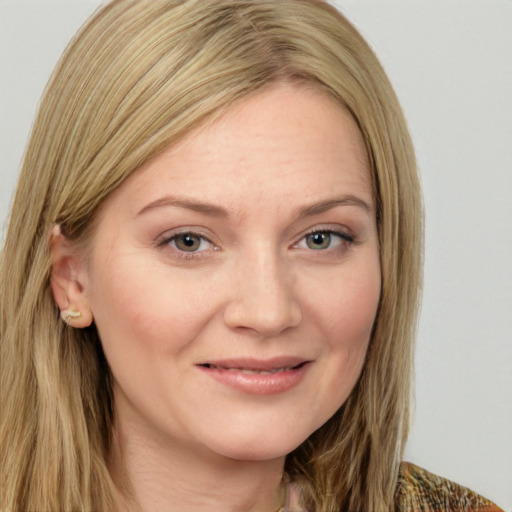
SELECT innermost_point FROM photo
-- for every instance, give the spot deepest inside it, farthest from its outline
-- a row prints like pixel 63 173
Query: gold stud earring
pixel 68 315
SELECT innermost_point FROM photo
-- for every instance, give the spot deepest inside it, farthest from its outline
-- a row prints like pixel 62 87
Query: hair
pixel 139 76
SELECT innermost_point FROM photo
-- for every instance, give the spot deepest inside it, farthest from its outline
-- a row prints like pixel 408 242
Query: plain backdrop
pixel 451 65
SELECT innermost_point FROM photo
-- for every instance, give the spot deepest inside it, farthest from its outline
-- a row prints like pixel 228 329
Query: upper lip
pixel 254 364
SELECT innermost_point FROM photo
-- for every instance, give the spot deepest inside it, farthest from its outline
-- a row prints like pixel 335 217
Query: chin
pixel 262 448
pixel 256 455
pixel 266 438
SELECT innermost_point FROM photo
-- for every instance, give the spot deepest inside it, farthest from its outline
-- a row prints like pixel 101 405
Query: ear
pixel 66 282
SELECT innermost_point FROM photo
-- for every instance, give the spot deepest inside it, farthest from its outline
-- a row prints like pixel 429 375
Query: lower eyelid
pixel 343 238
pixel 170 240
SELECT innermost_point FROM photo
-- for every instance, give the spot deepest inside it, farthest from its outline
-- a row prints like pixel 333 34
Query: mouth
pixel 258 377
pixel 254 371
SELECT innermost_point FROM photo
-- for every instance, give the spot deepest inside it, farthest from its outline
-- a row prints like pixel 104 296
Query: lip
pixel 258 376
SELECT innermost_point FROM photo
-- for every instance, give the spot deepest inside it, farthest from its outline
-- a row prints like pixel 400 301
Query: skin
pixel 257 284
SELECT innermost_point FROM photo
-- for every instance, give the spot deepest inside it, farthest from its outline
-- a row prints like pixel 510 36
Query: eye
pixel 189 242
pixel 322 240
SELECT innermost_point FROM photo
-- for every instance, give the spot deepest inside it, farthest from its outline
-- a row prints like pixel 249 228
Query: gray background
pixel 451 64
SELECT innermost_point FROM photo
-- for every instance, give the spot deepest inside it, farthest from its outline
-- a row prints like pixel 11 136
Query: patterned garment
pixel 421 491
pixel 417 491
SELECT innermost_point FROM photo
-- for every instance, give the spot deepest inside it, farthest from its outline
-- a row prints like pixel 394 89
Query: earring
pixel 68 315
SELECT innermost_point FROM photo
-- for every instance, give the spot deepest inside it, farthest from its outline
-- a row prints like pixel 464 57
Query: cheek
pixel 145 308
pixel 347 312
pixel 345 317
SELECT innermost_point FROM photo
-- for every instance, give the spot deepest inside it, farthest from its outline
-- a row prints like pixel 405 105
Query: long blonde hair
pixel 137 77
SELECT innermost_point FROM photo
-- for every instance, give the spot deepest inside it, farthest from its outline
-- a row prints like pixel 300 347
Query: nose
pixel 262 297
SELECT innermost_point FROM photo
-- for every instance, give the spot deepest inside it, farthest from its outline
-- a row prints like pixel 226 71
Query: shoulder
pixel 421 491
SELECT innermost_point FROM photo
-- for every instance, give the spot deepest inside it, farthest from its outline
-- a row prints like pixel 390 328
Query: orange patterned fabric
pixel 421 491
pixel 417 491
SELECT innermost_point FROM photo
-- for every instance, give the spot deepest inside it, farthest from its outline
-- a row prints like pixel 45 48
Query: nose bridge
pixel 263 298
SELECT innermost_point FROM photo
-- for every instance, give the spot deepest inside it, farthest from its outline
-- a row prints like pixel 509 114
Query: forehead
pixel 287 141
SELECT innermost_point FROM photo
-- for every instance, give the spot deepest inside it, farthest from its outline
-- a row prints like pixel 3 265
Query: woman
pixel 211 276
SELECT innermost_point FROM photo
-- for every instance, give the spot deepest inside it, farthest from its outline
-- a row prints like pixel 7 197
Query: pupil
pixel 319 240
pixel 188 241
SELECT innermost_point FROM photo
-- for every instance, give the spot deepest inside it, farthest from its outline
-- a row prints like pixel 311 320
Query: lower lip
pixel 258 383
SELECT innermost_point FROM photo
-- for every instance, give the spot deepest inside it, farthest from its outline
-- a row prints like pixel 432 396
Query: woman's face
pixel 235 278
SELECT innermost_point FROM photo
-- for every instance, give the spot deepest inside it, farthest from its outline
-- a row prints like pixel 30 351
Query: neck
pixel 156 476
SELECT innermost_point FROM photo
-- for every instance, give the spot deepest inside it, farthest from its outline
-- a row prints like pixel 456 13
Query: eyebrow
pixel 218 211
pixel 329 204
pixel 189 204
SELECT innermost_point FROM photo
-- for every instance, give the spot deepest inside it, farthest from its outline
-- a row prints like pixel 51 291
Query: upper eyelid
pixel 171 234
pixel 164 243
pixel 343 236
pixel 335 230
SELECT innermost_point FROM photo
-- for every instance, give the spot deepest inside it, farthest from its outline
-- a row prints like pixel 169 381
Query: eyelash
pixel 345 239
pixel 187 255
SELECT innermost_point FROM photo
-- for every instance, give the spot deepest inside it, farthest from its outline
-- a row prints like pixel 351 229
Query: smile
pixel 255 371
pixel 258 377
